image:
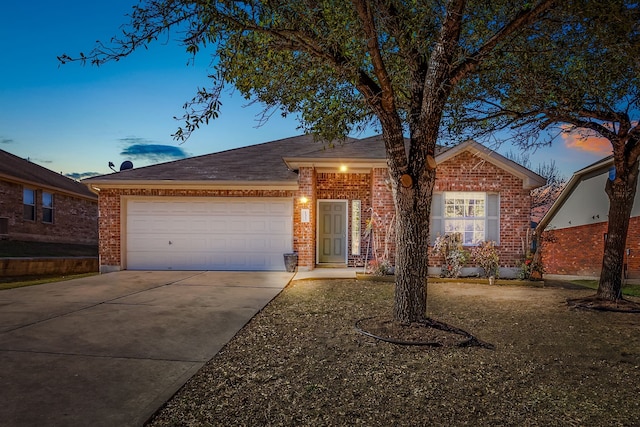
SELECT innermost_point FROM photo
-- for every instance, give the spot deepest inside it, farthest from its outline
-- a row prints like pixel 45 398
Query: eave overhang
pixel 98 184
pixel 350 165
pixel 51 188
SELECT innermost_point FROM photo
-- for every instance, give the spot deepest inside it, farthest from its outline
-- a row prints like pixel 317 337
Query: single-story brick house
pixel 242 209
pixel 574 229
pixel 37 204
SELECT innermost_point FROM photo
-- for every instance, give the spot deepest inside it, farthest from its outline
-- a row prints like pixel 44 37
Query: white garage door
pixel 208 234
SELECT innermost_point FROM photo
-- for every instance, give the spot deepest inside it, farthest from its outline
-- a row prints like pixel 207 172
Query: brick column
pixel 304 233
pixel 109 231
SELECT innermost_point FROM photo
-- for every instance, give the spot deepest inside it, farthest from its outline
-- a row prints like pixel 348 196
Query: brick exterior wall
pixel 348 186
pixel 467 172
pixel 383 213
pixel 110 208
pixel 369 188
pixel 75 219
pixel 578 251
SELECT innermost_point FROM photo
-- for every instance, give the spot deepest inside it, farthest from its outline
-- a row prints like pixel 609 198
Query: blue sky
pixel 76 119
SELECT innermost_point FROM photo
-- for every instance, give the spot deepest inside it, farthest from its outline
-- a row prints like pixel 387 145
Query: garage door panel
pixel 210 234
pixel 257 225
pixel 237 225
pixel 280 226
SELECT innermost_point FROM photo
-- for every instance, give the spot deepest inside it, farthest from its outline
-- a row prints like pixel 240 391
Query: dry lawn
pixel 300 362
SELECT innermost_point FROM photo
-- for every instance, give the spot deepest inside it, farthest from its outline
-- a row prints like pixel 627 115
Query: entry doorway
pixel 332 231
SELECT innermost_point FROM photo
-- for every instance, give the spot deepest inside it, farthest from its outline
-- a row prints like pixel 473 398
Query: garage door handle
pixel 170 242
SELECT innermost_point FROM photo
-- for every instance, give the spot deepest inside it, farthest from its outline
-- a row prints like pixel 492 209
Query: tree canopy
pixel 344 66
pixel 576 72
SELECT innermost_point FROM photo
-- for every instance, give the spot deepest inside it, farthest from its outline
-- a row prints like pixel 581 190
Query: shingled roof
pixel 256 163
pixel 16 169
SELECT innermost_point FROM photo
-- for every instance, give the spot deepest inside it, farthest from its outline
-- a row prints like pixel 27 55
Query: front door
pixel 332 231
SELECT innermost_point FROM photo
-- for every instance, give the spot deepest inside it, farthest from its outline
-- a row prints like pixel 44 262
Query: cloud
pixel 34 160
pixel 586 141
pixel 81 175
pixel 141 149
pixel 6 140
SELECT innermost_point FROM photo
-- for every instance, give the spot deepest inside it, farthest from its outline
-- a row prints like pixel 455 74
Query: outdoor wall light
pixel 343 168
pixel 303 199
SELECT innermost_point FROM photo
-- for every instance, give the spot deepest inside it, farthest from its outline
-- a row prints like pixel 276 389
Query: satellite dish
pixel 126 165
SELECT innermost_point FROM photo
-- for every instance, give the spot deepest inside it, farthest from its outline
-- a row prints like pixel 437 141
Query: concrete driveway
pixel 109 350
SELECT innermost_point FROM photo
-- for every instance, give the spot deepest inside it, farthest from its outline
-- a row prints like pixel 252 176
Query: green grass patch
pixel 20 282
pixel 630 290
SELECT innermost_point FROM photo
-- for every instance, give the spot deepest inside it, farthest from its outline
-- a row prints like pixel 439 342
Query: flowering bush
pixel 531 268
pixel 486 255
pixel 450 247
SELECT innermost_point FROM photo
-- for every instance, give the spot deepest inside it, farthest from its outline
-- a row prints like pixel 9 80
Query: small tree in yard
pixel 344 65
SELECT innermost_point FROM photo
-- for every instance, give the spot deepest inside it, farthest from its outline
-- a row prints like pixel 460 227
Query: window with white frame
pixel 472 214
pixel 29 204
pixel 47 207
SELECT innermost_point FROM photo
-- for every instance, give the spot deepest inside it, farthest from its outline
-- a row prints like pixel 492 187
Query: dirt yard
pixel 301 362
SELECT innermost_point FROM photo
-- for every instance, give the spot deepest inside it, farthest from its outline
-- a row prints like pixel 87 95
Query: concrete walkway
pixel 109 350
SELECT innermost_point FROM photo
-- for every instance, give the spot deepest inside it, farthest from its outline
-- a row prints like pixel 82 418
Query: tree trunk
pixel 413 207
pixel 621 192
pixel 411 176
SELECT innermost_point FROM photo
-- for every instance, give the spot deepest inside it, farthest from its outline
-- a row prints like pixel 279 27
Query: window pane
pixel 47 200
pixel 465 213
pixel 468 239
pixel 29 201
pixel 449 211
pixel 47 215
pixel 28 197
pixel 29 212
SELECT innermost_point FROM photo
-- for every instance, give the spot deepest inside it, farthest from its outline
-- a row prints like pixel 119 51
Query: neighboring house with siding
pixel 37 204
pixel 242 209
pixel 574 230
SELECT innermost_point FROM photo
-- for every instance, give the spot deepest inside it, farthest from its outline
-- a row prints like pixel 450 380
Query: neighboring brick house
pixel 37 204
pixel 575 228
pixel 243 209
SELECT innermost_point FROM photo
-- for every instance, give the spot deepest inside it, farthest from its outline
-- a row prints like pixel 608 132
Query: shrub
pixel 379 268
pixel 449 246
pixel 531 268
pixel 486 256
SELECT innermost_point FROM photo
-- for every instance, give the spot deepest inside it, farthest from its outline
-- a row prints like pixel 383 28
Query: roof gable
pixel 530 179
pixel 16 169
pixel 598 168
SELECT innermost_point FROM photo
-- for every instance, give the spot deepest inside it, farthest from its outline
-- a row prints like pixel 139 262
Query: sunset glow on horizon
pixel 586 141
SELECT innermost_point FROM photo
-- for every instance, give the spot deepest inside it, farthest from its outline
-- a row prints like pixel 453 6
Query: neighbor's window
pixel 29 204
pixel 47 207
pixel 472 214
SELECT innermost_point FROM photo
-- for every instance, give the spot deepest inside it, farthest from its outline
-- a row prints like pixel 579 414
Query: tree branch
pixel 523 17
pixel 363 8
